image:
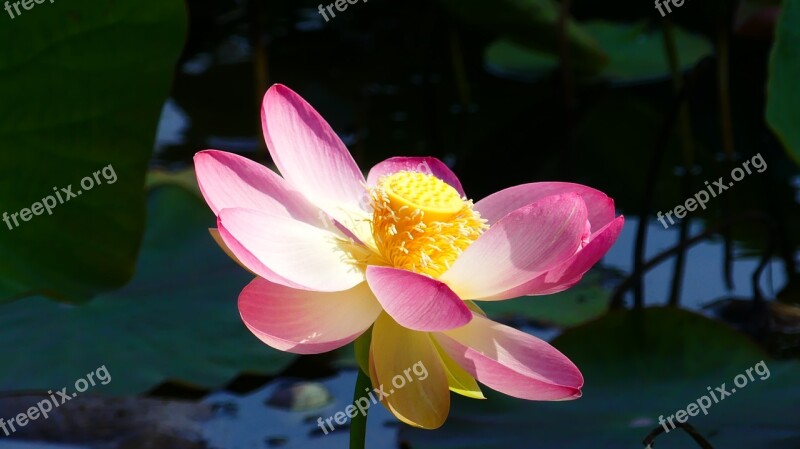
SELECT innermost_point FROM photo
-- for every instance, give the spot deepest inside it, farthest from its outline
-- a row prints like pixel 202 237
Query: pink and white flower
pixel 404 252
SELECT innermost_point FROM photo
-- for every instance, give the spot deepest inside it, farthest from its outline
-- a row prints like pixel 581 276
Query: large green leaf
pixel 533 23
pixel 177 319
pixel 83 85
pixel 639 366
pixel 509 59
pixel 635 54
pixel 783 97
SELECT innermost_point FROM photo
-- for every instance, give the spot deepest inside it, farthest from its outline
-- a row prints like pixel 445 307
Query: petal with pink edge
pixel 496 206
pixel 519 247
pixel 406 364
pixel 310 155
pixel 290 252
pixel 306 322
pixel 231 181
pixel 570 272
pixel 416 301
pixel 246 259
pixel 427 165
pixel 221 243
pixel 512 362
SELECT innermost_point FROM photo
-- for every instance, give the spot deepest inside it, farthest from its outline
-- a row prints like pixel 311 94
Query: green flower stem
pixel 358 425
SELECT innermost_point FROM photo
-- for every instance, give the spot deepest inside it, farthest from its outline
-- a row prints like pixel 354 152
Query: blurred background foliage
pixel 607 94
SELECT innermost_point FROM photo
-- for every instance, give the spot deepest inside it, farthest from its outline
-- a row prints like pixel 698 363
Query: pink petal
pixel 250 262
pixel 415 301
pixel 309 154
pixel 519 247
pixel 427 165
pixel 570 272
pixel 306 322
pixel 290 252
pixel 512 362
pixel 231 181
pixel 498 205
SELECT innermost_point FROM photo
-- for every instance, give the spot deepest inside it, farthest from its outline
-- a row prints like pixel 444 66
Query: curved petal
pixel 290 252
pixel 512 362
pixel 306 322
pixel 246 259
pixel 406 367
pixel 570 272
pixel 460 381
pixel 221 243
pixel 497 205
pixel 231 181
pixel 416 301
pixel 519 247
pixel 427 165
pixel 309 154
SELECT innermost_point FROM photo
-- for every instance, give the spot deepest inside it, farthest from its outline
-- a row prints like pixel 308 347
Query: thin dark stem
pixel 787 255
pixel 687 151
pixel 358 425
pixel 567 74
pixel 618 295
pixel 459 68
pixel 684 124
pixel 260 68
pixel 659 151
pixel 723 85
pixel 680 258
pixel 758 297
pixel 784 250
pixel 726 129
pixel 568 90
pixel 649 441
pixel 727 236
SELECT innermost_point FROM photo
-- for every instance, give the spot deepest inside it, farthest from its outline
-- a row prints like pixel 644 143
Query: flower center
pixel 420 223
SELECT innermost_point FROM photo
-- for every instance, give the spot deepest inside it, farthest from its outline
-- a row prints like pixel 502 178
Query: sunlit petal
pixel 306 322
pixel 511 361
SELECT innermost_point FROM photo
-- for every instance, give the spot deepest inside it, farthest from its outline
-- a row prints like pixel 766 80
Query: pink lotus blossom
pixel 404 251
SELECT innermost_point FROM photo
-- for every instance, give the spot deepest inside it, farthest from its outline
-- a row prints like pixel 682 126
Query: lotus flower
pixel 404 252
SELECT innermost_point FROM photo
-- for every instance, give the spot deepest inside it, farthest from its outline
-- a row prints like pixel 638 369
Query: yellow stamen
pixel 431 195
pixel 421 223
